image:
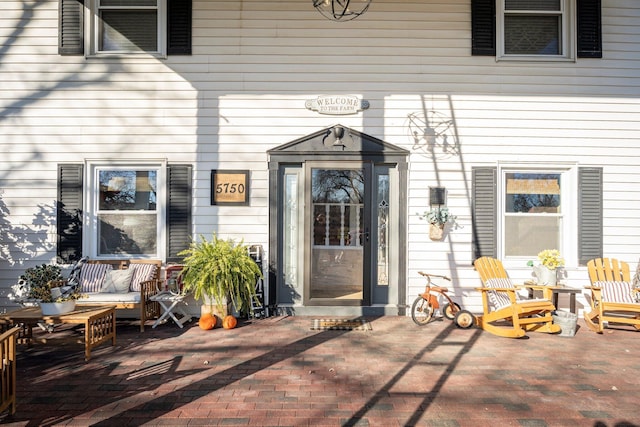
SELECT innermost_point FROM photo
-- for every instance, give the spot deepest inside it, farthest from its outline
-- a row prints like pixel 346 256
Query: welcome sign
pixel 339 105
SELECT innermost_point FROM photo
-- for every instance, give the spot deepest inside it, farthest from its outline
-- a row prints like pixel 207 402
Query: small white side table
pixel 171 304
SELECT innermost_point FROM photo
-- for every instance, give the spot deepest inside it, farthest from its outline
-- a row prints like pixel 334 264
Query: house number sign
pixel 230 187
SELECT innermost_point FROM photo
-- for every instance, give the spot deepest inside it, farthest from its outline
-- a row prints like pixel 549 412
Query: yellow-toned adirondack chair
pixel 613 298
pixel 504 313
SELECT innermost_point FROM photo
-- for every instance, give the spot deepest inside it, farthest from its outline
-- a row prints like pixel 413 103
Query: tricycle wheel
pixel 421 311
pixel 464 319
pixel 450 310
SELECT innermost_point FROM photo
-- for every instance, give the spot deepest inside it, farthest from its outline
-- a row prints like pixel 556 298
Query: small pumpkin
pixel 229 322
pixel 207 321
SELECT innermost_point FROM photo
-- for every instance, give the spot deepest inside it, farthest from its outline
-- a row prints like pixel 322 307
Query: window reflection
pixel 338 207
pixel 127 222
pixel 533 218
pixel 127 190
pixel 533 193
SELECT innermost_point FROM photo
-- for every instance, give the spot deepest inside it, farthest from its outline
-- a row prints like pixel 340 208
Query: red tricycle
pixel 427 302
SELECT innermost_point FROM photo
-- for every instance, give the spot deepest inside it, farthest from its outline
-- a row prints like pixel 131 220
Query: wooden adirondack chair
pixel 504 313
pixel 613 298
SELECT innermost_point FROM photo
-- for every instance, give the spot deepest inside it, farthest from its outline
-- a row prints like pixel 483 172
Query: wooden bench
pixel 133 299
pixel 8 370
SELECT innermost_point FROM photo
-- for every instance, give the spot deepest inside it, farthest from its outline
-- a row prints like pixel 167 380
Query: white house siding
pixel 243 91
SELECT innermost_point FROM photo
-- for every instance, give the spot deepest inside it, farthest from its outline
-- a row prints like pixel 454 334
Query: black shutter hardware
pixel 178 210
pixel 483 27
pixel 69 213
pixel 179 27
pixel 71 27
pixel 589 23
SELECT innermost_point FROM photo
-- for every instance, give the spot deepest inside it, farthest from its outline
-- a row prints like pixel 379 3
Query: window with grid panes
pixel 128 26
pixel 535 29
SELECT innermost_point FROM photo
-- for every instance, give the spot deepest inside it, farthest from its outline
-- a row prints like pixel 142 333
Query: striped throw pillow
pixel 92 276
pixel 499 299
pixel 141 273
pixel 616 292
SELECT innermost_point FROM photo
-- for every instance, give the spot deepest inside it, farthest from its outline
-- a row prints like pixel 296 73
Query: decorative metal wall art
pixel 341 10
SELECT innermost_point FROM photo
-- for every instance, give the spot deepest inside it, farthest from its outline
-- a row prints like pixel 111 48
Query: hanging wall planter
pixel 438 219
pixel 436 232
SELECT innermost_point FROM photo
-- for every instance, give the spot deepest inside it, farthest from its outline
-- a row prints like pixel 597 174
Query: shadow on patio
pixel 277 371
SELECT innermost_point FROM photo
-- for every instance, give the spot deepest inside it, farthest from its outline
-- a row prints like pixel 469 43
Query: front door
pixel 337 225
pixel 338 217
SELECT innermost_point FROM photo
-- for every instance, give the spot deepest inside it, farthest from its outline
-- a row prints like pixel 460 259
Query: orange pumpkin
pixel 229 322
pixel 207 321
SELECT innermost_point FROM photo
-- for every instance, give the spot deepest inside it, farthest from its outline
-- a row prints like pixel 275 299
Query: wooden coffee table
pixel 99 323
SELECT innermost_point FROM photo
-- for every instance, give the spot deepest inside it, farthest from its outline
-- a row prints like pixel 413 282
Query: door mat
pixel 340 325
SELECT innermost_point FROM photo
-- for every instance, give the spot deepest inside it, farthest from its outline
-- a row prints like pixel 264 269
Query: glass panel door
pixel 338 218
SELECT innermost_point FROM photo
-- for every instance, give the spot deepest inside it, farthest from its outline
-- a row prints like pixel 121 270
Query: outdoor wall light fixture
pixel 338 133
pixel 341 10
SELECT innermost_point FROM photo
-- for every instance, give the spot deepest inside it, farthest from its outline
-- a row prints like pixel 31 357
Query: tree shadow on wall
pixel 24 245
pixel 24 242
pixel 115 240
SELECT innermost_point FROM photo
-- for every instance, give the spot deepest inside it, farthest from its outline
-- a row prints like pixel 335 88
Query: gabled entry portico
pixel 337 225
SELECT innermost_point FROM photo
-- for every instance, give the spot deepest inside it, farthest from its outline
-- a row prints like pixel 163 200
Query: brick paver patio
pixel 279 372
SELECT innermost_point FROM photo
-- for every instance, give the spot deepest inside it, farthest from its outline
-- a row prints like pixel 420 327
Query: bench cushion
pixel 107 298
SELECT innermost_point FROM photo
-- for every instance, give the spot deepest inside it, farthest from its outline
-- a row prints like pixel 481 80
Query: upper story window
pixel 535 29
pixel 112 27
pixel 127 27
pixel 577 23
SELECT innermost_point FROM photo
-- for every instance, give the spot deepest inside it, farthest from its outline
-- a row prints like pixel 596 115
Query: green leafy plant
pixel 38 282
pixel 438 216
pixel 221 270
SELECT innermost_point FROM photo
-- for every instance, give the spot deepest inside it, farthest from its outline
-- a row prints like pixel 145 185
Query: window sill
pixel 126 55
pixel 533 58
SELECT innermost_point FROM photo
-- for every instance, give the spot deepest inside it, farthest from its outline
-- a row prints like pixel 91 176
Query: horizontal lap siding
pixel 243 91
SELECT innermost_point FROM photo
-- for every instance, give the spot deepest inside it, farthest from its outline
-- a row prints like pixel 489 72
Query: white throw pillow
pixel 117 281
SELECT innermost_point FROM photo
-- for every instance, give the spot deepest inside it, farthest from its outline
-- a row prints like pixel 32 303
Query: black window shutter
pixel 179 27
pixel 484 205
pixel 71 27
pixel 589 25
pixel 590 214
pixel 69 213
pixel 178 210
pixel 483 27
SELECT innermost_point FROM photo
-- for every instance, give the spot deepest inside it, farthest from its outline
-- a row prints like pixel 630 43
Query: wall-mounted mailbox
pixel 437 196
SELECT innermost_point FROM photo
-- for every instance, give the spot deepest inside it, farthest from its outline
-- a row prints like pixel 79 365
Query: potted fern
pixel 220 272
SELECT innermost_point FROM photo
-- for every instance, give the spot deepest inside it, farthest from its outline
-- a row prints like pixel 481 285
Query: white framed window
pixel 536 29
pixel 124 27
pixel 536 207
pixel 125 211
